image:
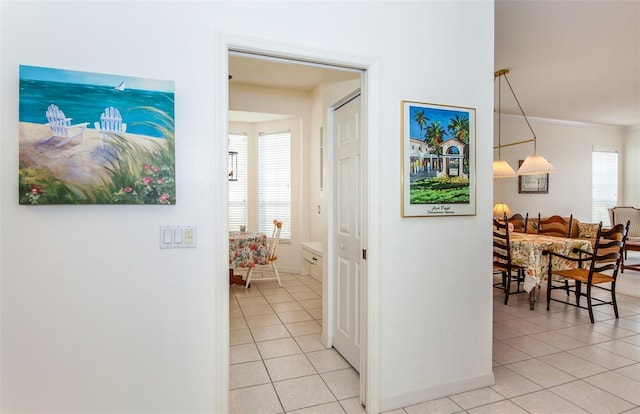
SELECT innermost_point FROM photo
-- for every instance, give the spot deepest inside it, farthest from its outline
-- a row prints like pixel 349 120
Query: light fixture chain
pixel 535 139
pixel 499 117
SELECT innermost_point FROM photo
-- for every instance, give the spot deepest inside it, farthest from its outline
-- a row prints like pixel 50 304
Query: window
pixel 238 206
pixel 274 182
pixel 604 181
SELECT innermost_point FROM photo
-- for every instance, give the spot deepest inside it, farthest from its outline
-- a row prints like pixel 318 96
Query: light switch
pixel 177 236
pixel 167 236
pixel 188 236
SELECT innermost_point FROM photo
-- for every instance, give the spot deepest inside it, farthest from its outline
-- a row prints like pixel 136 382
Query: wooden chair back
pixel 274 242
pixel 556 226
pixel 519 223
pixel 608 250
pixel 501 247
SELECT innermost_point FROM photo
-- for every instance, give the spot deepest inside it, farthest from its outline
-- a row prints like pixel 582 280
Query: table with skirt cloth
pixel 246 250
pixel 526 251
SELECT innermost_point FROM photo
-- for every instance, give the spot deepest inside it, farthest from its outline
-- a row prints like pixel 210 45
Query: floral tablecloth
pixel 247 249
pixel 526 251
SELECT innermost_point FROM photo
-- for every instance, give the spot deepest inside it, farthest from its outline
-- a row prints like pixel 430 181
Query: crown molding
pixel 567 123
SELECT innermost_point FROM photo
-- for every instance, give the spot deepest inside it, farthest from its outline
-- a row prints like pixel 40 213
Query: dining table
pixel 526 251
pixel 246 250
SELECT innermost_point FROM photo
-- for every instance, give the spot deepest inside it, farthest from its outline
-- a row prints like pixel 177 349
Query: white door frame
pixel 223 44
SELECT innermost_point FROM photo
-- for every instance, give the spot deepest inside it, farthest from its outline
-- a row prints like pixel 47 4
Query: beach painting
pixel 93 138
pixel 438 160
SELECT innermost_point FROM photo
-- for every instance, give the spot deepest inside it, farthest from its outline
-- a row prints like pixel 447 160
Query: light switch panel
pixel 176 237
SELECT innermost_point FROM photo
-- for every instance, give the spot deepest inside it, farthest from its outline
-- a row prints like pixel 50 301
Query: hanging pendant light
pixel 533 164
pixel 501 168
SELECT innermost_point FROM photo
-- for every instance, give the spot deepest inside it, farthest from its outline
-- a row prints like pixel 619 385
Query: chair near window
pixel 502 259
pixel 272 248
pixel 606 257
pixel 555 226
pixel 621 215
pixel 519 223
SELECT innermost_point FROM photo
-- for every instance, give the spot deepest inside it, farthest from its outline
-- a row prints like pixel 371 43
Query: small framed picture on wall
pixel 533 183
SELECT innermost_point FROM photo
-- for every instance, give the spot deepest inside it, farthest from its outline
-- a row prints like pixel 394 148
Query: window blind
pixel 274 182
pixel 238 206
pixel 604 185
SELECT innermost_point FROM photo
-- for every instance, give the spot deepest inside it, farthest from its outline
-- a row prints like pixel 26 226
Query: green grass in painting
pixel 139 175
pixel 135 174
pixel 441 190
pixel 39 186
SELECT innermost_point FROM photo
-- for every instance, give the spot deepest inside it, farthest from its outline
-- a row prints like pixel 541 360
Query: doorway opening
pixel 313 217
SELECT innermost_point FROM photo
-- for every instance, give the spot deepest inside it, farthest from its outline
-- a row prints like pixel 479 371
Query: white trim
pixel 327 259
pixel 633 127
pixel 220 229
pixel 604 148
pixel 563 122
pixel 416 396
pixel 224 43
pixel 304 53
pixel 370 87
pixel 288 60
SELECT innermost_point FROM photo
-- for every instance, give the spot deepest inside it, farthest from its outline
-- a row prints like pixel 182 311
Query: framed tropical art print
pixel 438 160
pixel 93 138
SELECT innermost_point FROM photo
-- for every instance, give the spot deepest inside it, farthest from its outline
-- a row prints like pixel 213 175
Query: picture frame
pixel 95 138
pixel 533 183
pixel 438 160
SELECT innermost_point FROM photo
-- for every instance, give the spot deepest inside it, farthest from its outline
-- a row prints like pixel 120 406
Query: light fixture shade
pixel 535 164
pixel 500 209
pixel 502 169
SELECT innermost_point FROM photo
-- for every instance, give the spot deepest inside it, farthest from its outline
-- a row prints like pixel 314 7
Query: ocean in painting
pixel 84 102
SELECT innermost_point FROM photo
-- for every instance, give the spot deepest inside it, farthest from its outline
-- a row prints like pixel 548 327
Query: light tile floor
pixel 544 362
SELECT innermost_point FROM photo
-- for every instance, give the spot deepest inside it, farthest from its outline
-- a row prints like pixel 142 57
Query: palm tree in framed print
pixel 459 128
pixel 438 144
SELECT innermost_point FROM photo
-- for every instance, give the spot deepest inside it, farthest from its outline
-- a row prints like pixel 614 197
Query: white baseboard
pixel 416 396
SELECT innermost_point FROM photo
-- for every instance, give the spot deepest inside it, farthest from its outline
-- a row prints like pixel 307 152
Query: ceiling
pixel 269 72
pixel 571 60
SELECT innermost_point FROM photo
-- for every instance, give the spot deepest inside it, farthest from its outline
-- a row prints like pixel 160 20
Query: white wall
pixel 96 318
pixel 566 145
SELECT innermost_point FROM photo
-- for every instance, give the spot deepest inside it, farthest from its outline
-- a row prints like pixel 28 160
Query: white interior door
pixel 347 287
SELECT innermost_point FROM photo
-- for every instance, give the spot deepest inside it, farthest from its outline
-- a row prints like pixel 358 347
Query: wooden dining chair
pixel 555 226
pixel 606 257
pixel 519 223
pixel 272 248
pixel 502 259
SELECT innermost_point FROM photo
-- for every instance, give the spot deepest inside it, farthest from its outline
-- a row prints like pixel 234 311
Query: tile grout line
pixel 292 336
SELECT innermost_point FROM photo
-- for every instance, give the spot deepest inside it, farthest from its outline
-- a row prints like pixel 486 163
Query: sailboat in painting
pixel 121 86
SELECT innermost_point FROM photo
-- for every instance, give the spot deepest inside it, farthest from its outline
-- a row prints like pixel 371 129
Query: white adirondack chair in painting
pixel 110 121
pixel 61 127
